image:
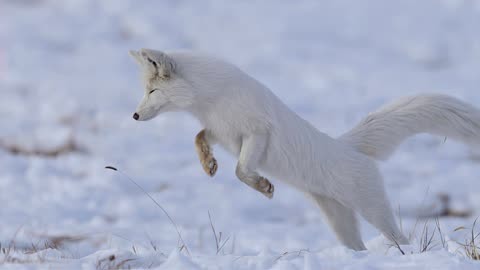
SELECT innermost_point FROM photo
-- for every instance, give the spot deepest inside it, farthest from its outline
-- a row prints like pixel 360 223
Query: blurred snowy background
pixel 68 90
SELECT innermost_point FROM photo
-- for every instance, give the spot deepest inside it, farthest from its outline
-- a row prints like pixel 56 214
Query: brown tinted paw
pixel 209 165
pixel 265 187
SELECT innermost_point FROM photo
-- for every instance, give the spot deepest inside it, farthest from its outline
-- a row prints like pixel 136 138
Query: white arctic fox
pixel 250 122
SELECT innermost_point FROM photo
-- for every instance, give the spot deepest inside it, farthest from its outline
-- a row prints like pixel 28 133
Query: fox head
pixel 164 88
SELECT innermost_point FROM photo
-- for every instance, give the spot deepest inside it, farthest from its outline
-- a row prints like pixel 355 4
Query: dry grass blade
pixel 223 245
pixel 396 245
pixel 412 233
pixel 472 248
pixel 286 253
pixel 218 239
pixel 184 246
pixel 10 248
pixel 213 230
pixel 426 240
pixel 440 232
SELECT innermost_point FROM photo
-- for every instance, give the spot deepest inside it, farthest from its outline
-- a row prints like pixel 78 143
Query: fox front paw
pixel 265 187
pixel 209 165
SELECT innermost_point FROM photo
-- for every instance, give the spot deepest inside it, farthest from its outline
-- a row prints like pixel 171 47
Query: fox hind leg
pixel 251 152
pixel 380 215
pixel 342 220
pixel 203 147
pixel 372 204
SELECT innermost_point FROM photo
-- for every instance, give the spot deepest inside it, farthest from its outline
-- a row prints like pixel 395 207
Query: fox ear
pixel 136 55
pixel 156 62
pixel 147 64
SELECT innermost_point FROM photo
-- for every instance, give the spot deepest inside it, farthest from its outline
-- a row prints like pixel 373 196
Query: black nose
pixel 135 116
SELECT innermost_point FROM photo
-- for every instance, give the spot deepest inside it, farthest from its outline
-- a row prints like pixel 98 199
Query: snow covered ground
pixel 68 90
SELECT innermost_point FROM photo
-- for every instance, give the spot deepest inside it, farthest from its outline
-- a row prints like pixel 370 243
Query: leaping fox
pixel 249 121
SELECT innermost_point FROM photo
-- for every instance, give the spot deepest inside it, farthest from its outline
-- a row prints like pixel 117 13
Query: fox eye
pixel 152 62
pixel 151 91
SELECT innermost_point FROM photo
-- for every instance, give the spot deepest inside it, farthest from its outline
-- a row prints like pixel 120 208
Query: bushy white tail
pixel 379 134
